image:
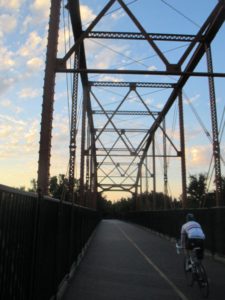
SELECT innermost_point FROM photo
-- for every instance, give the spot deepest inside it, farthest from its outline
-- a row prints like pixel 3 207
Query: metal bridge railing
pixel 169 222
pixel 40 238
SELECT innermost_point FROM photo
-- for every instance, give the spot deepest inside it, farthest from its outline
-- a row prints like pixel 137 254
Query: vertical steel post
pixel 48 98
pixel 165 165
pixel 215 136
pixel 83 140
pixel 146 173
pixel 154 175
pixel 87 180
pixel 182 152
pixel 73 130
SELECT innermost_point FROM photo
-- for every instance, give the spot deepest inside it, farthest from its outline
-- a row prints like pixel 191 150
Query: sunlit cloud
pixel 26 23
pixel 118 14
pixel 35 64
pixel 87 15
pixel 198 155
pixel 11 120
pixel 5 130
pixel 7 60
pixel 18 137
pixel 11 4
pixel 5 103
pixel 33 46
pixel 6 83
pixel 28 93
pixel 110 78
pixel 65 40
pixel 152 68
pixel 41 9
pixel 191 99
pixel 7 23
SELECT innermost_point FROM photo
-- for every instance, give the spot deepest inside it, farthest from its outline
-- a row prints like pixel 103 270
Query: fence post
pixel 35 245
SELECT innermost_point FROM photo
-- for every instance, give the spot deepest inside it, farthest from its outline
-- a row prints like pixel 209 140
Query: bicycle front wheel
pixel 202 280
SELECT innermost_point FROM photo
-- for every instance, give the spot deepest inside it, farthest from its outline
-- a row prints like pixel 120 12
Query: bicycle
pixel 194 270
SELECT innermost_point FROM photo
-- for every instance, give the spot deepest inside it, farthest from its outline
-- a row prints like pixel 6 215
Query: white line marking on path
pixel 175 288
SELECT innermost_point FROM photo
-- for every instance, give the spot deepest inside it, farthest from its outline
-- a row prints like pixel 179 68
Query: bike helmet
pixel 190 217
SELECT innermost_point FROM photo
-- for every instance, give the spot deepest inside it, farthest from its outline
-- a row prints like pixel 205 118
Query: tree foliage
pixel 196 190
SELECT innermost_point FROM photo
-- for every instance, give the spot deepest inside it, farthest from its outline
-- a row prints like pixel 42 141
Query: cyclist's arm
pixel 183 237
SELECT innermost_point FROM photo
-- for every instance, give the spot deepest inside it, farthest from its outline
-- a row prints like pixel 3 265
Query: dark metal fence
pixel 40 238
pixel 169 223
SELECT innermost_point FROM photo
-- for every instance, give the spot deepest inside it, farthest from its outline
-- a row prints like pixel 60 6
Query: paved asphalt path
pixel 128 262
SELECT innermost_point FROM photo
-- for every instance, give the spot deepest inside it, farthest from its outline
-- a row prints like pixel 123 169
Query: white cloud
pixel 6 83
pixel 199 155
pixel 7 60
pixel 192 99
pixel 11 120
pixel 5 103
pixel 65 38
pixel 4 130
pixel 7 23
pixel 110 78
pixel 28 93
pixel 41 9
pixel 31 137
pixel 33 45
pixel 152 68
pixel 18 137
pixel 87 14
pixel 11 4
pixel 10 106
pixel 26 23
pixel 118 15
pixel 107 57
pixel 35 64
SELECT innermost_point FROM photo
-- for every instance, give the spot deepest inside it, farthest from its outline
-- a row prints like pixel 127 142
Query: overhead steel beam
pixel 142 30
pixel 140 36
pixel 74 8
pixel 214 24
pixel 132 84
pixel 125 112
pixel 123 130
pixel 140 72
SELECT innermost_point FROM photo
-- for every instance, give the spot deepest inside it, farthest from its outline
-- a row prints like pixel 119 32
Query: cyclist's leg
pixel 187 252
pixel 202 280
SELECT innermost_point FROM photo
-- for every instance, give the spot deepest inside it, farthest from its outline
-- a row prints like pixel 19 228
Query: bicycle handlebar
pixel 178 248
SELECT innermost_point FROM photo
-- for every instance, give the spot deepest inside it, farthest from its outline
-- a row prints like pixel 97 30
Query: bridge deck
pixel 125 261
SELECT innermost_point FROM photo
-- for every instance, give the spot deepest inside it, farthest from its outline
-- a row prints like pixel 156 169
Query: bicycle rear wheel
pixel 188 274
pixel 202 280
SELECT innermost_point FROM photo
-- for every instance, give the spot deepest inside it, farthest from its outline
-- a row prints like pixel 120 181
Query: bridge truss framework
pixel 125 164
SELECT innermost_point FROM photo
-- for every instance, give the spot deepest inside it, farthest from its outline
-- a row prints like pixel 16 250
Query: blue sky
pixel 23 32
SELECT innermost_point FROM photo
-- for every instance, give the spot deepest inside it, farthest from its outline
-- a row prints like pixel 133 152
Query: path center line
pixel 150 262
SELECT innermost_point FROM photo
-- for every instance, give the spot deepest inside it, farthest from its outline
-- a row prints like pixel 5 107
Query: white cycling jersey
pixel 193 230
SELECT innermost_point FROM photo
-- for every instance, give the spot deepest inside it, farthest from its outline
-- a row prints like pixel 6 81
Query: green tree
pixel 104 206
pixel 58 186
pixel 196 190
pixel 33 187
pixel 22 188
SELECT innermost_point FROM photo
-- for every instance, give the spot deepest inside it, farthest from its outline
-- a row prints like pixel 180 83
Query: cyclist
pixel 192 236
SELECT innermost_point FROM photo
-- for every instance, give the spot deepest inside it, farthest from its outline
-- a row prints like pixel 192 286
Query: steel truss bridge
pixel 124 163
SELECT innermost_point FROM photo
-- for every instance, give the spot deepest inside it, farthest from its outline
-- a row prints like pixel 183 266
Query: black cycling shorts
pixel 193 243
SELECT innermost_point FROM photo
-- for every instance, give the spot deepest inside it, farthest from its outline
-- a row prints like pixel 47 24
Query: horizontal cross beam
pixel 139 72
pixel 131 84
pixel 125 112
pixel 140 36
